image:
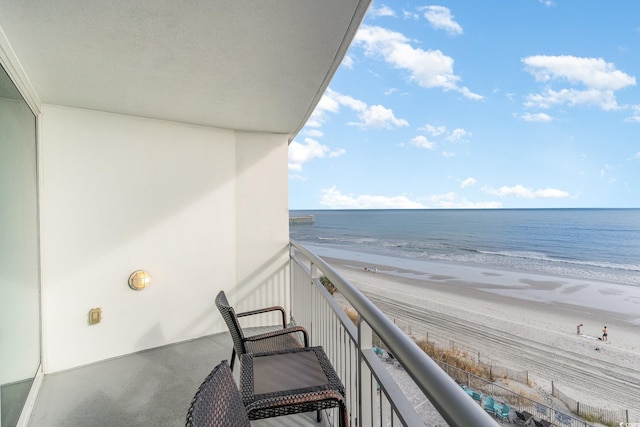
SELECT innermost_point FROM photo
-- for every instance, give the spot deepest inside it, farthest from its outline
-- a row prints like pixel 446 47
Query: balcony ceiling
pixel 241 64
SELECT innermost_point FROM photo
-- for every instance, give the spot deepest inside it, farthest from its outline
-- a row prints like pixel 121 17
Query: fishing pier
pixel 301 220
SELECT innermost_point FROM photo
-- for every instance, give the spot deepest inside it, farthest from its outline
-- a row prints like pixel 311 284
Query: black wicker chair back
pixel 281 339
pixel 230 318
pixel 218 402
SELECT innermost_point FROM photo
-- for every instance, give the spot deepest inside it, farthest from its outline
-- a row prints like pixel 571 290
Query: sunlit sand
pixel 521 321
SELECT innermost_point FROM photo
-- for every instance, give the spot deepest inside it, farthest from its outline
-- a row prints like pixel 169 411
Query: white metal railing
pixel 373 396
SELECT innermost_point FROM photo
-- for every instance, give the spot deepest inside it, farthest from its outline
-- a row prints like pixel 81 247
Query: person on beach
pixel 605 333
pixel 579 328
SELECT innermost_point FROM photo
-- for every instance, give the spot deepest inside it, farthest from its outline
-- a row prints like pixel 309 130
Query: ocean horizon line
pixel 452 209
pixel 592 244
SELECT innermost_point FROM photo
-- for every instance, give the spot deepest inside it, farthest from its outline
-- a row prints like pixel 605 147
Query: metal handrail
pixel 446 396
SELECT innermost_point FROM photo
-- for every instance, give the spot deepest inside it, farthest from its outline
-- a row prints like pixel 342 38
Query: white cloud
pixel 300 154
pixel 379 117
pixel 598 80
pixel 450 201
pixel 381 11
pixel 406 14
pixel 635 117
pixel 314 133
pixel 326 105
pixel 547 3
pixel 457 135
pixel 604 173
pixel 440 18
pixel 434 130
pixel 345 100
pixel 592 72
pixel 523 192
pixel 375 116
pixel 428 68
pixel 637 156
pixel 606 100
pixel 423 142
pixel 297 177
pixel 439 198
pixel 334 199
pixel 550 193
pixel 347 61
pixel 538 117
pixel 467 182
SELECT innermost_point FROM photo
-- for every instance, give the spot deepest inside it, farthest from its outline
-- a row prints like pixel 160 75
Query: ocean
pixel 592 244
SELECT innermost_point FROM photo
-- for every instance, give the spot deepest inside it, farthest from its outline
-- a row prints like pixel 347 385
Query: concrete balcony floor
pixel 149 388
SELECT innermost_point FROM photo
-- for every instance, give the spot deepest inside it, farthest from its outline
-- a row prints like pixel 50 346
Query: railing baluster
pixel 349 349
pixel 364 373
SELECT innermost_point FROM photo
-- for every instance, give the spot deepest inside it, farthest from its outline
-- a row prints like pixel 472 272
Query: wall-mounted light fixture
pixel 139 280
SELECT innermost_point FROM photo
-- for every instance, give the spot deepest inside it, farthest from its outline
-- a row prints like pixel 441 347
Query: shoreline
pixel 519 320
pixel 608 299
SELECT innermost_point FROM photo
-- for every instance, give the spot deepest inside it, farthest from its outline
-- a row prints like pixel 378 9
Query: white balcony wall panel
pixel 262 225
pixel 122 193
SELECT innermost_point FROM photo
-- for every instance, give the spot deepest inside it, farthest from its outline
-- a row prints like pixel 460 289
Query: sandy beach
pixel 521 321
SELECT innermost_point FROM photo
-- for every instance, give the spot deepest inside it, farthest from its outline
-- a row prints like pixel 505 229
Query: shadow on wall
pixel 266 286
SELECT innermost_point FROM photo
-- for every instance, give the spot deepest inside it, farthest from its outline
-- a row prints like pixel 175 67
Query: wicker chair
pixel 218 402
pixel 282 339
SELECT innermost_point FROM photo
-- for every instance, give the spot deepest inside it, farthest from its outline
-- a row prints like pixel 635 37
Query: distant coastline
pixel 596 244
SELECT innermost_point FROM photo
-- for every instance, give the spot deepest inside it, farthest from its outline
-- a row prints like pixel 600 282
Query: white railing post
pixel 313 307
pixel 365 343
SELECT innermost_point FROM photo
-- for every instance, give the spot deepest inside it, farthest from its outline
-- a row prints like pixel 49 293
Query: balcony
pixel 173 142
pixel 154 387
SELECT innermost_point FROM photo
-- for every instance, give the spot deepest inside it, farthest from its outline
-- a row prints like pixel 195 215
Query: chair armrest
pixel 272 334
pixel 266 310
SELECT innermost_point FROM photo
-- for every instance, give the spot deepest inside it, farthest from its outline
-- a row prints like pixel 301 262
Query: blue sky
pixel 491 104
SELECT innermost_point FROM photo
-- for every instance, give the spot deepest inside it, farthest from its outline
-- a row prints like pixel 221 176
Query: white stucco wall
pixel 262 226
pixel 199 208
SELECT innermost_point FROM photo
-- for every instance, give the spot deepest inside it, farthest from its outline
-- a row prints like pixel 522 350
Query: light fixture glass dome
pixel 139 280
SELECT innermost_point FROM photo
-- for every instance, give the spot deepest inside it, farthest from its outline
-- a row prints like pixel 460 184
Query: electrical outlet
pixel 95 315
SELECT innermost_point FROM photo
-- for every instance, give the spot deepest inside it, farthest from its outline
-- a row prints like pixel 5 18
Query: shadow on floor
pixel 149 388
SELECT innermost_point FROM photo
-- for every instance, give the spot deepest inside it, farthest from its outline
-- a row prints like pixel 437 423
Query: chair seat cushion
pixel 267 345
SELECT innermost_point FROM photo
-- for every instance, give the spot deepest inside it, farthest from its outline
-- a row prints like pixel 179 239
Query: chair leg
pixel 344 419
pixel 233 359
